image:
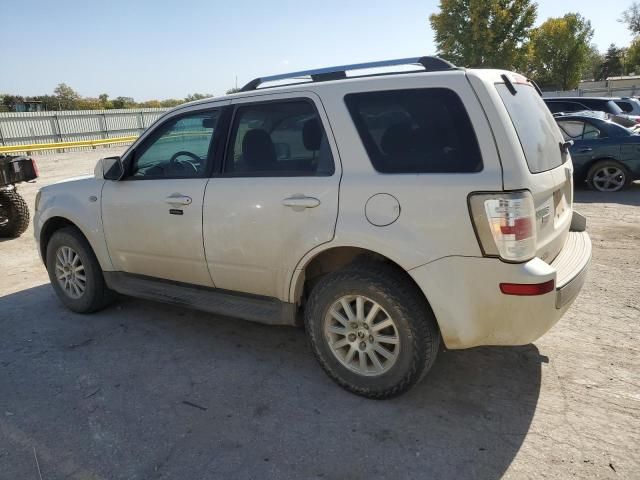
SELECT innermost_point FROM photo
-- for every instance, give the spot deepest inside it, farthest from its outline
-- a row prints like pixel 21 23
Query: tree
pixel 170 102
pixel 593 67
pixel 10 101
pixel 633 57
pixel 480 33
pixel 150 104
pixel 66 96
pixel 87 103
pixel 631 16
pixel 613 63
pixel 197 96
pixel 123 102
pixel 232 90
pixel 559 51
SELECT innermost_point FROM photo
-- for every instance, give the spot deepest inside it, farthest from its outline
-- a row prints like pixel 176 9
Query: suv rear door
pixel 276 195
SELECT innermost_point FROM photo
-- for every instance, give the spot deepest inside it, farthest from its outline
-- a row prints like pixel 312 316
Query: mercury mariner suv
pixel 387 211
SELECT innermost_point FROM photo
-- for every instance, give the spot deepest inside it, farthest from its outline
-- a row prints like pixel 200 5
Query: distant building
pixel 29 106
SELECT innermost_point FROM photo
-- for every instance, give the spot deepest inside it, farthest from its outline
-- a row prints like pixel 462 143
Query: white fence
pixel 68 126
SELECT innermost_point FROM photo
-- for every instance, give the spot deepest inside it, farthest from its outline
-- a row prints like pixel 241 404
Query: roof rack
pixel 430 64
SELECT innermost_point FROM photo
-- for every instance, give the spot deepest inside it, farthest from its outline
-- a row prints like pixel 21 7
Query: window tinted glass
pixel 416 131
pixel 278 139
pixel 536 128
pixel 625 106
pixel 179 149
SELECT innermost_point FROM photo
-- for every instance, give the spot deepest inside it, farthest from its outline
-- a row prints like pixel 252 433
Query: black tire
pixel 14 214
pixel 416 325
pixel 596 167
pixel 96 295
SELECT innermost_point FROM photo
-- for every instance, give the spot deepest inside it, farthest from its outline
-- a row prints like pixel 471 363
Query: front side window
pixel 415 131
pixel 179 149
pixel 278 139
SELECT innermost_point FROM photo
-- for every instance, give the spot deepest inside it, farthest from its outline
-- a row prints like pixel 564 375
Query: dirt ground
pixel 143 390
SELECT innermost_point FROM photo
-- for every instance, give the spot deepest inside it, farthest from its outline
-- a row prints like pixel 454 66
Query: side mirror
pixel 112 168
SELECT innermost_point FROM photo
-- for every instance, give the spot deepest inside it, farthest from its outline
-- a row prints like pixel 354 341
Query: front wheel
pixel 14 214
pixel 371 329
pixel 608 176
pixel 75 273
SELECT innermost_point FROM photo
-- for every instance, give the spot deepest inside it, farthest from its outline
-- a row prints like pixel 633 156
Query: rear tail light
pixel 35 168
pixel 505 224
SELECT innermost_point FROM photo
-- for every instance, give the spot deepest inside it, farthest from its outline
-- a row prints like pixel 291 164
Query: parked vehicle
pixel 605 154
pixel 388 211
pixel 14 211
pixel 581 104
pixel 629 105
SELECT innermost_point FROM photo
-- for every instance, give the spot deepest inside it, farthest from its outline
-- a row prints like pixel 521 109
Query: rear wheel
pixel 371 329
pixel 75 273
pixel 608 176
pixel 14 214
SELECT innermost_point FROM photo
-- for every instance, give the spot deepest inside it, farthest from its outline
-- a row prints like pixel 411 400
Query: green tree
pixel 482 33
pixel 150 104
pixel 631 16
pixel 197 96
pixel 10 101
pixel 593 67
pixel 123 102
pixel 170 102
pixel 232 90
pixel 612 64
pixel 559 51
pixel 633 57
pixel 67 97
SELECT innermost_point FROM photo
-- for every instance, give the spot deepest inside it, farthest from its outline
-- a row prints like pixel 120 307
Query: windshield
pixel 537 130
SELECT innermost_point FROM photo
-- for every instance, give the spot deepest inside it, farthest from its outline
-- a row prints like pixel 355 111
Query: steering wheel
pixel 174 162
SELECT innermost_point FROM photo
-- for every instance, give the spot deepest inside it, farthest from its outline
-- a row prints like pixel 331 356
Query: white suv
pixel 386 210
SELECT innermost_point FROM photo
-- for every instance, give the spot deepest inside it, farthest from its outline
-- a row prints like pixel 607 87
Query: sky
pixel 160 49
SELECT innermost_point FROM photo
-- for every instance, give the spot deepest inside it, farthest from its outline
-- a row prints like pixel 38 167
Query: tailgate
pixel 546 171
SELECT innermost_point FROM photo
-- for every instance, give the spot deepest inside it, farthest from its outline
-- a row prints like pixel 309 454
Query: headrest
pixel 312 134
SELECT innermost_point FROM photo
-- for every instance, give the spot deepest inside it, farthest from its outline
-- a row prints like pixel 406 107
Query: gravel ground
pixel 144 390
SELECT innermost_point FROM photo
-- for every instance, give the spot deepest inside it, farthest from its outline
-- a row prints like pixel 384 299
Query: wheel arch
pixel 328 260
pixel 51 226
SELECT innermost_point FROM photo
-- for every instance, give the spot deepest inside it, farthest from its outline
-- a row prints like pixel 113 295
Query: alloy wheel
pixel 609 179
pixel 362 335
pixel 70 272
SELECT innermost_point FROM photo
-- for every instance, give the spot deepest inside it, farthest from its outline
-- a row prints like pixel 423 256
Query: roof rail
pixel 430 64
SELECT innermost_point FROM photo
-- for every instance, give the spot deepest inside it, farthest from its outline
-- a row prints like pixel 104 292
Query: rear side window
pixel 415 131
pixel 625 106
pixel 537 130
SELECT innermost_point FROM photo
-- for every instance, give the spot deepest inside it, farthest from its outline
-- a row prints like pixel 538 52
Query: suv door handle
pixel 300 202
pixel 178 199
pixel 586 150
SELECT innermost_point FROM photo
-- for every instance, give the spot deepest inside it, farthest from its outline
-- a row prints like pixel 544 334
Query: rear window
pixel 415 131
pixel 537 130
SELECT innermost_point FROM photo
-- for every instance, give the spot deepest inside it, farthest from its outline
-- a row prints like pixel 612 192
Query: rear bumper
pixel 464 293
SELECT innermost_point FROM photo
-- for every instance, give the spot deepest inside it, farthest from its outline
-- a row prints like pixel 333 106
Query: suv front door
pixel 276 196
pixel 153 216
